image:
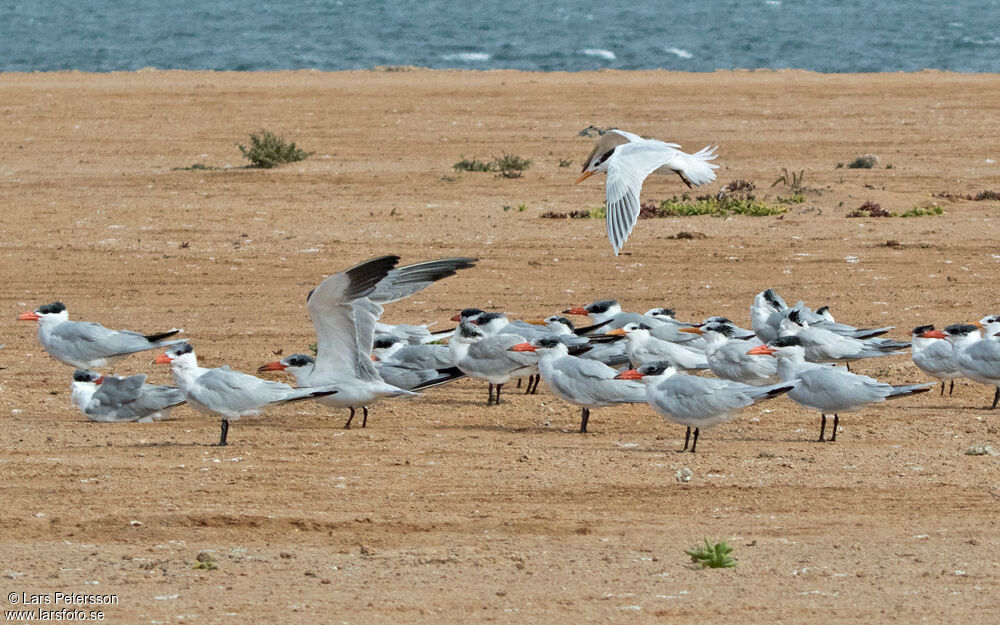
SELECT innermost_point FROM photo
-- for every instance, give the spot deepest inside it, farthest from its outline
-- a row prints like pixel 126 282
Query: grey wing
pixel 982 358
pixel 424 356
pixel 231 392
pixel 833 388
pixel 84 341
pixel 687 396
pixel 130 399
pixel 366 314
pixel 622 202
pixel 335 319
pixel 403 282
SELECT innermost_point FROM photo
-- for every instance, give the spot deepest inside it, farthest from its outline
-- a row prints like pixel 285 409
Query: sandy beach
pixel 444 510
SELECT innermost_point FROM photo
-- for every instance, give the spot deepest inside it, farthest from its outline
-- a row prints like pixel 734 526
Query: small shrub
pixel 718 206
pixel 196 167
pixel 565 162
pixel 472 165
pixel 791 179
pixel 554 215
pixel 987 195
pixel 864 162
pixel 522 207
pixel 869 209
pixel 268 150
pixel 796 198
pixel 919 211
pixel 510 165
pixel 712 555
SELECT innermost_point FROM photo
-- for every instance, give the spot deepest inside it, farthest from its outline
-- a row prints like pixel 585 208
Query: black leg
pixel 497 401
pixel 952 387
pixel 996 398
pixel 225 433
pixel 538 379
pixel 942 387
pixel 584 417
pixel 364 421
pixel 848 365
pixel 694 443
pixel 489 400
pixel 519 382
pixel 836 421
pixel 687 439
pixel 822 427
pixel 527 388
pixel 347 425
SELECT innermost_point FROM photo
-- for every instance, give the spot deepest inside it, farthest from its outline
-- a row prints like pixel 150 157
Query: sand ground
pixel 443 510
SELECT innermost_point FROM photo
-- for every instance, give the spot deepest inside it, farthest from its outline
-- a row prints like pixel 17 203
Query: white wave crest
pixel 467 57
pixel 680 52
pixel 601 53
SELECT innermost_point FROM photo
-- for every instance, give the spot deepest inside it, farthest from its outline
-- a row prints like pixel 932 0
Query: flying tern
pixel 628 159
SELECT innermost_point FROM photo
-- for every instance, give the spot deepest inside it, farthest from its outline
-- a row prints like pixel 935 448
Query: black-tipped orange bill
pixel 762 350
pixel 586 174
pixel 631 374
pixel 691 330
pixel 617 332
pixel 522 347
pixel 576 310
pixel 29 316
pixel 457 318
pixel 933 334
pixel 273 366
pixel 163 359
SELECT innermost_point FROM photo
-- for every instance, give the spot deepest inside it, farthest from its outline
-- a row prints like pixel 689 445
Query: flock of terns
pixel 620 357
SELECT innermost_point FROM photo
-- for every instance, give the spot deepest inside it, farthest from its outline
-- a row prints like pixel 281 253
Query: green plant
pixel 522 207
pixel 717 206
pixel 205 562
pixel 712 556
pixel 565 162
pixel 510 165
pixel 919 211
pixel 472 165
pixel 796 198
pixel 870 209
pixel 196 167
pixel 268 150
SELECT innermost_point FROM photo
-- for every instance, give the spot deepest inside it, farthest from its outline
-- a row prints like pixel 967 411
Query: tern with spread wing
pixel 344 309
pixel 628 159
pixel 87 345
pixel 226 392
pixel 111 399
pixel 831 390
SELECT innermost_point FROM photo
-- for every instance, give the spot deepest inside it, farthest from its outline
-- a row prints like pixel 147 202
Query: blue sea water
pixel 555 35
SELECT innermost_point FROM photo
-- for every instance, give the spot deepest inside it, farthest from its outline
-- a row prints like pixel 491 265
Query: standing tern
pixel 628 159
pixel 585 383
pixel 933 355
pixel 344 309
pixel 111 399
pixel 87 345
pixel 644 348
pixel 726 352
pixel 487 357
pixel 610 313
pixel 831 390
pixel 822 345
pixel 697 402
pixel 978 358
pixel 226 392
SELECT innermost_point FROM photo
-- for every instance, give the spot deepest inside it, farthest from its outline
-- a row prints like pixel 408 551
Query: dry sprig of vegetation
pixel 869 209
pixel 986 195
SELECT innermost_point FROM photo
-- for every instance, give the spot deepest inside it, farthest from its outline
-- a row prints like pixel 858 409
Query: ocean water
pixel 554 35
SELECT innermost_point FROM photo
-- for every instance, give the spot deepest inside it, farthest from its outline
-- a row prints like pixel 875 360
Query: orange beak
pixel 522 347
pixel 977 324
pixel 586 174
pixel 273 366
pixel 29 316
pixel 631 374
pixel 933 334
pixel 617 332
pixel 691 330
pixel 536 322
pixel 99 380
pixel 576 310
pixel 762 350
pixel 375 358
pixel 163 359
